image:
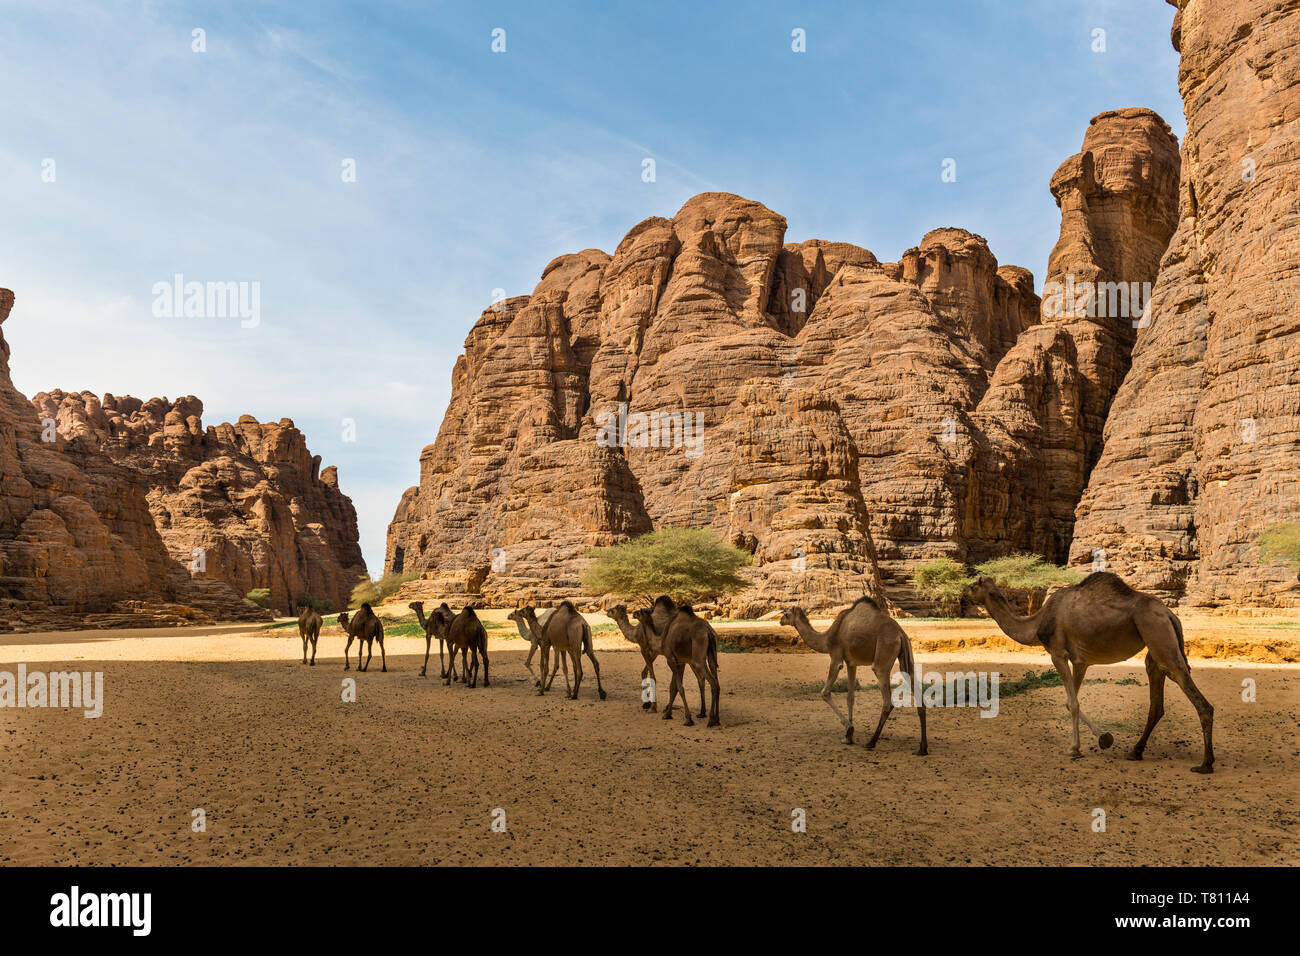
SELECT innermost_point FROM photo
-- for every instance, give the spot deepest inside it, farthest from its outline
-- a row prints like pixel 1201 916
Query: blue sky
pixel 475 169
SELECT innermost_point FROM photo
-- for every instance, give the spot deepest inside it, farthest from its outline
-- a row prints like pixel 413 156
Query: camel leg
pixel 428 646
pixel 649 671
pixel 555 669
pixel 716 690
pixel 833 673
pixel 313 652
pixel 924 749
pixel 464 665
pixel 881 670
pixel 347 665
pixel 442 665
pixel 577 671
pixel 304 648
pixel 1104 740
pixel 700 668
pixel 851 675
pixel 546 660
pixel 680 678
pixel 383 658
pixel 1156 687
pixel 528 663
pixel 1165 643
pixel 673 685
pixel 562 657
pixel 473 663
pixel 1062 665
pixel 370 652
pixel 595 665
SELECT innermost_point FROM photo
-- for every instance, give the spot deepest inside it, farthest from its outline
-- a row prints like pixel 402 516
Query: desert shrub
pixel 1280 543
pixel 942 581
pixel 688 564
pixel 319 605
pixel 374 592
pixel 259 596
pixel 1027 572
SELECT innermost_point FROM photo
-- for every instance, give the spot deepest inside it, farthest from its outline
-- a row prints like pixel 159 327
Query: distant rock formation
pixel 102 506
pixel 1202 444
pixel 248 498
pixel 840 418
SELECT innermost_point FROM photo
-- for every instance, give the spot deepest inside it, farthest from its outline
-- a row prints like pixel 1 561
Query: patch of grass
pixel 280 624
pixel 1280 543
pixel 730 647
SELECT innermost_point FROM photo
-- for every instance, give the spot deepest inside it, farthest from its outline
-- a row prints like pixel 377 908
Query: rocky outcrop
pixel 1202 445
pixel 838 417
pixel 78 545
pixel 245 504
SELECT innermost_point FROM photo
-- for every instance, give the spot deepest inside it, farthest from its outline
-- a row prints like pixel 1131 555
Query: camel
pixel 687 639
pixel 862 634
pixel 466 634
pixel 569 634
pixel 435 625
pixel 366 628
pixel 1101 620
pixel 651 647
pixel 526 633
pixel 309 623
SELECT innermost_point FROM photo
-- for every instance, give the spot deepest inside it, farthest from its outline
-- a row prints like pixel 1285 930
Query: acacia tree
pixel 687 564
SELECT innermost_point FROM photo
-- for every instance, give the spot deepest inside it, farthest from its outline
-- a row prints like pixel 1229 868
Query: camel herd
pixel 1101 620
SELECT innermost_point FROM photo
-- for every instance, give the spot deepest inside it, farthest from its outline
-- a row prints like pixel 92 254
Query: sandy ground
pixel 228 720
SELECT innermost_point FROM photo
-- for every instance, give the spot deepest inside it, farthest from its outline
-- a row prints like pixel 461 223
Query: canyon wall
pixel 1202 444
pixel 103 503
pixel 840 418
pixel 245 503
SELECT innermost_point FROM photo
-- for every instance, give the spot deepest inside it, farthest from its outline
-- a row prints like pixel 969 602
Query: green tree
pixel 373 592
pixel 259 596
pixel 1027 572
pixel 1281 543
pixel 942 581
pixel 687 564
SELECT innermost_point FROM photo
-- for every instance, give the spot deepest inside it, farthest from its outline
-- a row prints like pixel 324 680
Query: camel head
pixel 645 617
pixel 790 615
pixel 517 615
pixel 343 620
pixel 617 613
pixel 978 591
pixel 416 606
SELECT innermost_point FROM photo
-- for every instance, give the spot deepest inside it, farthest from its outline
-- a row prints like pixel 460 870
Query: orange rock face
pixel 1202 444
pixel 840 418
pixel 244 504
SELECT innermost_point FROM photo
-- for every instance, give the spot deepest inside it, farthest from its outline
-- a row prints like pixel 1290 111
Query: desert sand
pixel 227 719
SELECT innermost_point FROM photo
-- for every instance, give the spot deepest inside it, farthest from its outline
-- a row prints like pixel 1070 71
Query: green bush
pixel 374 592
pixel 1280 543
pixel 1027 572
pixel 259 596
pixel 319 605
pixel 942 581
pixel 687 564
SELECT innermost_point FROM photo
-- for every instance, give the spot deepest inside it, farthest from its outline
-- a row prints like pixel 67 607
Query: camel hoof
pixel 313 663
pixel 1075 755
pixel 1134 755
pixel 922 752
pixel 1105 741
pixel 848 734
pixel 602 694
pixel 871 745
pixel 1203 768
pixel 689 722
pixel 645 705
pixel 668 715
pixel 715 722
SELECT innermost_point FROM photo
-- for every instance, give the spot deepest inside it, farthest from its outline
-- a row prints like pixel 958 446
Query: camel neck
pixel 811 636
pixel 628 630
pixel 1022 630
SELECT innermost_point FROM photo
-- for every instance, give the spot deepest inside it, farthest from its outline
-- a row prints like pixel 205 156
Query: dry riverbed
pixel 227 720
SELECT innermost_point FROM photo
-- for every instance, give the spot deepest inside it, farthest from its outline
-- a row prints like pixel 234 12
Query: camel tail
pixel 1178 629
pixel 587 646
pixel 907 661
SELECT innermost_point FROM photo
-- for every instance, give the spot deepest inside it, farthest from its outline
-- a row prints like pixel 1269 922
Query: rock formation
pixel 840 418
pixel 245 503
pixel 1202 444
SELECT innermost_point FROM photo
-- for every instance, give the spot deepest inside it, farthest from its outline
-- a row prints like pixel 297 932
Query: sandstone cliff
pixel 1202 444
pixel 245 503
pixel 838 417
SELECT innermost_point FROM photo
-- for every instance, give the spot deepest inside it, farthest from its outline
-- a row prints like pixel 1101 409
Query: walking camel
pixel 862 634
pixel 526 633
pixel 309 623
pixel 569 634
pixel 435 625
pixel 1101 620
pixel 687 639
pixel 366 628
pixel 651 647
pixel 466 634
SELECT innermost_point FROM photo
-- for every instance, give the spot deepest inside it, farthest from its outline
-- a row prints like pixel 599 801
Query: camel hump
pixel 568 606
pixel 1106 582
pixel 367 608
pixel 469 612
pixel 686 609
pixel 664 600
pixel 868 601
